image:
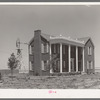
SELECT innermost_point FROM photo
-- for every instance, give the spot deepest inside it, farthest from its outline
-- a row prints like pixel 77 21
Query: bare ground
pixel 24 81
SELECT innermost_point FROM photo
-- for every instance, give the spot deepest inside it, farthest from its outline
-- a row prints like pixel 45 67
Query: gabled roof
pixel 31 40
pixel 86 39
pixel 46 36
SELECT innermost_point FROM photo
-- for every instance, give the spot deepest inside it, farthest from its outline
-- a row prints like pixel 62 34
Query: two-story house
pixel 58 54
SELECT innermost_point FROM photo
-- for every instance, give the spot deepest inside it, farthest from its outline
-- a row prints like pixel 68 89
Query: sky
pixel 20 21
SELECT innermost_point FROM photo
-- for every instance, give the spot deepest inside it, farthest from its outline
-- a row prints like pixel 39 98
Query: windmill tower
pixel 19 56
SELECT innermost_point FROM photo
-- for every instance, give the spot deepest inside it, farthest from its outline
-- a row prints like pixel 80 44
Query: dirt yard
pixel 24 81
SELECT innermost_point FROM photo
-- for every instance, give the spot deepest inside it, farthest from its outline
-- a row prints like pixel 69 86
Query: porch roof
pixel 66 40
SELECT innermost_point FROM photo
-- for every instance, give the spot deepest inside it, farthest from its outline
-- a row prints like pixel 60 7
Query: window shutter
pixel 42 63
pixel 90 50
pixel 30 50
pixel 30 65
pixel 91 65
pixel 47 47
pixel 87 64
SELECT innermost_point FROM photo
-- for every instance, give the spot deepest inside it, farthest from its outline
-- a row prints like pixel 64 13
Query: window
pixel 31 65
pixel 42 48
pixel 89 65
pixel 89 50
pixel 44 65
pixel 31 49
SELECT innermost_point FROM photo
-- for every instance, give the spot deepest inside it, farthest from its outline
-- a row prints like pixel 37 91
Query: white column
pixel 76 59
pixel 83 60
pixel 69 53
pixel 50 59
pixel 60 57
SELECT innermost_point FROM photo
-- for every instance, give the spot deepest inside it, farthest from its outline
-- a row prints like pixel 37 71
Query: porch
pixel 68 59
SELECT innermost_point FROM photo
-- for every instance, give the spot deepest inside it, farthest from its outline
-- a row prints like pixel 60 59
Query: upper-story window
pixel 44 48
pixel 56 48
pixel 31 49
pixel 89 50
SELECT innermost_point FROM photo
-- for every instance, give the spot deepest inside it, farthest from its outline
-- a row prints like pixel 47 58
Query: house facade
pixel 58 54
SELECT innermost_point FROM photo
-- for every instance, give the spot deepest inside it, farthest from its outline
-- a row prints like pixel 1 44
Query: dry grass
pixel 24 81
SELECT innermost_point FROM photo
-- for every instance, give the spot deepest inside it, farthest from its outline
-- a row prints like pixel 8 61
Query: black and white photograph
pixel 50 47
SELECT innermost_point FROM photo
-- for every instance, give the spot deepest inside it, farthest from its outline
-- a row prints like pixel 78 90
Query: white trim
pixel 60 57
pixel 67 38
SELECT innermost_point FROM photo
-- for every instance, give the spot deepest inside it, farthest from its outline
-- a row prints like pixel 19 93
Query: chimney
pixel 37 52
pixel 37 32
